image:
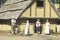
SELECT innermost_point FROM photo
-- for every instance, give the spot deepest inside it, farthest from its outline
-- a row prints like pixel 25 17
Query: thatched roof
pixel 13 8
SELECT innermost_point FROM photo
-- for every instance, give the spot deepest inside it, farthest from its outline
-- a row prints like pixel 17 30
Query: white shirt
pixel 38 24
pixel 13 21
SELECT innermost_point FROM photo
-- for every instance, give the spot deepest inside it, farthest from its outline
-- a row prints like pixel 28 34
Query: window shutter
pixel 57 1
pixel 54 1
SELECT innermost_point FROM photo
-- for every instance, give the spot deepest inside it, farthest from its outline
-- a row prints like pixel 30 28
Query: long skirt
pixel 27 31
pixel 47 30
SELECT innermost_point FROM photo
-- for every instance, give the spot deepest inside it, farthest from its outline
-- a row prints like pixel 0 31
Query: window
pixel 58 1
pixel 2 2
pixel 55 1
pixel 40 3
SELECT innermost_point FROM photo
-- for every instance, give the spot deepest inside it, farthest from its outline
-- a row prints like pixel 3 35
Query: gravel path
pixel 33 37
pixel 9 36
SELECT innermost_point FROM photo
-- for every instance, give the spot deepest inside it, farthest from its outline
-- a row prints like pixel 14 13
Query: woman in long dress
pixel 27 28
pixel 47 27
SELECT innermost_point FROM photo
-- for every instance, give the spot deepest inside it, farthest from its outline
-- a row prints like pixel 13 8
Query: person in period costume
pixel 27 33
pixel 13 24
pixel 47 27
pixel 38 26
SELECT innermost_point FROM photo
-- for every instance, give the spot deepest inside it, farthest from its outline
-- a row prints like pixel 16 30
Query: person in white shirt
pixel 47 27
pixel 27 28
pixel 13 21
pixel 13 24
pixel 38 25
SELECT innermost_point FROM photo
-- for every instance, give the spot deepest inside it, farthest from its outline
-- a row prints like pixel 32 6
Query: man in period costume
pixel 13 24
pixel 38 26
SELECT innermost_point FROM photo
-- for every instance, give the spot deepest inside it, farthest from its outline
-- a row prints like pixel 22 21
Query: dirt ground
pixel 8 36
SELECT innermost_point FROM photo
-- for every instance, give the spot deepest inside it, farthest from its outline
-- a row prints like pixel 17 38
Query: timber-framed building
pixel 23 10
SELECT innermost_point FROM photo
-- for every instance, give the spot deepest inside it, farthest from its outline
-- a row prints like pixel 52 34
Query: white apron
pixel 27 29
pixel 47 28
